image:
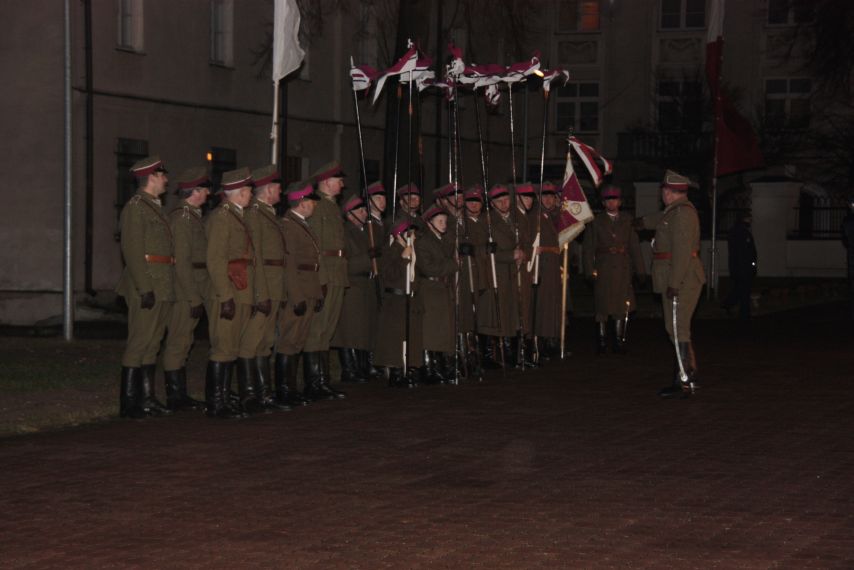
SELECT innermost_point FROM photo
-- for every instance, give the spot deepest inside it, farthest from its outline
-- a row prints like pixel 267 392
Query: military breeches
pixel 323 324
pixel 293 330
pixel 688 297
pixel 179 336
pixel 267 330
pixel 237 338
pixel 145 331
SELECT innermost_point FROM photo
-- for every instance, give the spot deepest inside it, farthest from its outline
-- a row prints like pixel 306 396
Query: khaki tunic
pixel 612 249
pixel 269 239
pixel 473 273
pixel 546 319
pixel 302 283
pixel 230 245
pixel 677 242
pixel 435 270
pixel 508 291
pixel 145 232
pixel 328 226
pixel 192 284
pixel 360 298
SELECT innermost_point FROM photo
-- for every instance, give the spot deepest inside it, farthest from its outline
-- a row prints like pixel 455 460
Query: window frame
pixel 577 101
pixel 683 17
pixel 222 33
pixel 788 97
pixel 130 26
pixel 579 17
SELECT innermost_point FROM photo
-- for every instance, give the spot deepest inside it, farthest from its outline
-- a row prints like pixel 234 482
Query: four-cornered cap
pixel 376 188
pixel 525 189
pixel 352 202
pixel 433 211
pixel 401 227
pixel 497 191
pixel 445 191
pixel 196 177
pixel 675 181
pixel 147 166
pixel 474 194
pixel 410 188
pixel 328 170
pixel 611 192
pixel 549 187
pixel 235 179
pixel 302 190
pixel 266 175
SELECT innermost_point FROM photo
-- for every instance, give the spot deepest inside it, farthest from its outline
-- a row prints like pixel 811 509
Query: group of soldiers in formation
pixel 418 296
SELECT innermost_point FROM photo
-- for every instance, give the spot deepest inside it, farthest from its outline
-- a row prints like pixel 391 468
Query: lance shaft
pixel 536 279
pixel 370 226
pixel 514 217
pixel 396 154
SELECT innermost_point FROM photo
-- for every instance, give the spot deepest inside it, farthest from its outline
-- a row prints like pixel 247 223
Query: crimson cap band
pixel 401 227
pixel 445 191
pixel 147 165
pixel 236 179
pixel 497 191
pixel 675 181
pixel 194 178
pixel 328 170
pixel 525 189
pixel 410 188
pixel 353 203
pixel 549 187
pixel 433 211
pixel 611 192
pixel 474 194
pixel 266 175
pixel 301 190
pixel 376 188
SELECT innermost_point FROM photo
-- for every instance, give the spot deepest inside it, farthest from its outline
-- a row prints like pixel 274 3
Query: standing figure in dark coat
pixel 742 265
pixel 546 317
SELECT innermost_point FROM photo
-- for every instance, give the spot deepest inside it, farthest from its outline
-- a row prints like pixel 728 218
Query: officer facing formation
pixel 677 274
pixel 611 254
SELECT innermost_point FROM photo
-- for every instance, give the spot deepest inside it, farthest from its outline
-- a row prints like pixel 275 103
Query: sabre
pixel 564 279
pixel 626 322
pixel 683 376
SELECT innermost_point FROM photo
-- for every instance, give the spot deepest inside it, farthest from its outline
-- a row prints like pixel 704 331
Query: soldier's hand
pixel 518 256
pixel 374 252
pixel 406 253
pixel 672 293
pixel 491 247
pixel 196 311
pixel 264 307
pixel 227 309
pixel 324 289
pixel 299 309
pixel 146 300
pixel 466 248
pixel 318 305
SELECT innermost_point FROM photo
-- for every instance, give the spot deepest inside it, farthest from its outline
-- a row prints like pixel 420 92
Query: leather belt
pixel 550 249
pixel 669 255
pixel 200 265
pixel 332 253
pixel 442 280
pixel 616 250
pixel 275 262
pixel 165 259
pixel 242 261
pixel 308 267
pixel 393 291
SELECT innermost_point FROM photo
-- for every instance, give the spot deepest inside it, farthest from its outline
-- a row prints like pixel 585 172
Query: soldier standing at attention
pixel 611 253
pixel 240 295
pixel 408 204
pixel 546 319
pixel 677 272
pixel 192 285
pixel 329 229
pixel 304 294
pixel 147 287
pixel 269 239
pixel 376 194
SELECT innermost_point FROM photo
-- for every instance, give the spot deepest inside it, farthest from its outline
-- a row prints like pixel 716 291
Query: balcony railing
pixel 658 146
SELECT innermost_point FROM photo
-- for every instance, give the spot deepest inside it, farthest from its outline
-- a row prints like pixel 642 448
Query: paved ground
pixel 575 466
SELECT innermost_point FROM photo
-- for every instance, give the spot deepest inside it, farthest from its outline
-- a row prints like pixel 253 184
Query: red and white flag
pixel 521 70
pixel 405 64
pixel 422 75
pixel 362 76
pixel 287 53
pixel 736 145
pixel 575 212
pixel 557 75
pixel 591 159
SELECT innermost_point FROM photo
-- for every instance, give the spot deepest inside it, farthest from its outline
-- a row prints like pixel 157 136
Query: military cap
pixel 611 192
pixel 266 175
pixel 445 191
pixel 235 179
pixel 302 190
pixel 328 170
pixel 549 187
pixel 675 181
pixel 433 211
pixel 474 194
pixel 524 189
pixel 402 227
pixel 196 177
pixel 147 165
pixel 497 191
pixel 376 188
pixel 352 202
pixel 410 188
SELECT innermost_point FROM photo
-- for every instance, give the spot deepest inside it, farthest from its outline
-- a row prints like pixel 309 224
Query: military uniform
pixel 546 319
pixel 192 288
pixel 146 284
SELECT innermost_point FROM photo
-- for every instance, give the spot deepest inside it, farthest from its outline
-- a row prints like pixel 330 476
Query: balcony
pixel 677 146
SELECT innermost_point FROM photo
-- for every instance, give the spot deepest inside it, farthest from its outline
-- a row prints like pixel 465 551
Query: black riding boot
pixel 488 356
pixel 429 373
pixel 366 365
pixel 397 379
pixel 601 337
pixel 216 390
pixel 531 353
pixel 327 376
pixel 129 394
pixel 246 374
pixel 619 345
pixel 267 388
pixel 350 370
pixel 231 398
pixel 678 387
pixel 176 391
pixel 147 401
pixel 315 385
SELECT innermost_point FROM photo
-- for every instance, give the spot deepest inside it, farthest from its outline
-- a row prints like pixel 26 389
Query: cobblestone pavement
pixel 577 465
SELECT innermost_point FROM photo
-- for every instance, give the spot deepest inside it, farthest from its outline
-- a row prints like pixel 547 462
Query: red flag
pixel 736 145
pixel 574 209
pixel 404 65
pixel 589 157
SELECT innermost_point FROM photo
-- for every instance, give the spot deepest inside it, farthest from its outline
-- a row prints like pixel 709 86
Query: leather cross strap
pixel 550 249
pixel 308 267
pixel 275 262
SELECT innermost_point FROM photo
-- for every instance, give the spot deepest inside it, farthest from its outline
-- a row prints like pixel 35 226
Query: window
pixel 129 25
pixel 681 14
pixel 787 103
pixel 578 16
pixel 128 152
pixel 790 12
pixel 578 107
pixel 222 32
pixel 679 105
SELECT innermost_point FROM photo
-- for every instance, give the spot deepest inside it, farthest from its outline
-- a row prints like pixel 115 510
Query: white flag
pixel 287 53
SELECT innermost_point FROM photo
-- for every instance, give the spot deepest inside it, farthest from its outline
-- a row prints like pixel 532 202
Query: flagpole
pixel 713 283
pixel 274 134
pixel 564 280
